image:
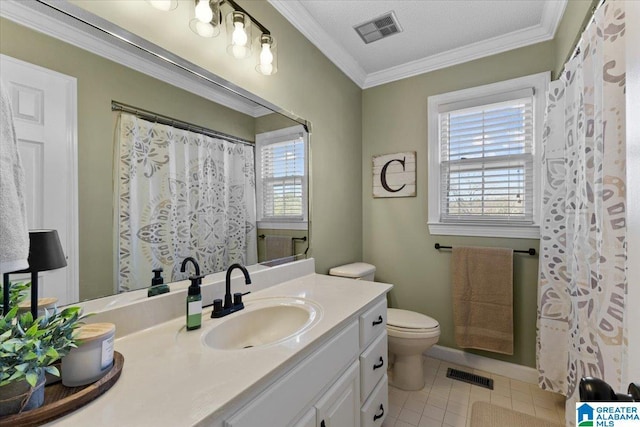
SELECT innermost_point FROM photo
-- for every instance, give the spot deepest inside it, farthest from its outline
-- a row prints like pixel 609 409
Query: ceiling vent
pixel 379 28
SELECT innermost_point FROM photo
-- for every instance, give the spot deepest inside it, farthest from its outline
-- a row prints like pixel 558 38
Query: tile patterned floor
pixel 444 402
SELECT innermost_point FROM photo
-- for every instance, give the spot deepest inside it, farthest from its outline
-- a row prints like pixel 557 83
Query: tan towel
pixel 278 247
pixel 482 280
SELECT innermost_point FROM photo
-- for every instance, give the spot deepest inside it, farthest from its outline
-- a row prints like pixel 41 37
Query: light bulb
pixel 239 52
pixel 204 29
pixel 266 59
pixel 239 36
pixel 163 5
pixel 203 11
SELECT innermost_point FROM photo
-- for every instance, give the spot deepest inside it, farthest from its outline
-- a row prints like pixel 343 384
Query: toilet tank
pixel 356 270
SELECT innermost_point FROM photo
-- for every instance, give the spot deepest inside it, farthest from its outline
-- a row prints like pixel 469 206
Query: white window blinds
pixel 283 179
pixel 486 161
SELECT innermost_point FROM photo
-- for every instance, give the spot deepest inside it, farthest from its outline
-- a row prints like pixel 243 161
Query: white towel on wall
pixel 14 232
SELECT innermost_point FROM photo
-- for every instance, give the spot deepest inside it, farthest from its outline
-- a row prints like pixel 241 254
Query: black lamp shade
pixel 45 251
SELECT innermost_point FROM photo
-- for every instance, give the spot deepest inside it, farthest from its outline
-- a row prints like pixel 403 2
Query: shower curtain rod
pixel 165 120
pixel 576 48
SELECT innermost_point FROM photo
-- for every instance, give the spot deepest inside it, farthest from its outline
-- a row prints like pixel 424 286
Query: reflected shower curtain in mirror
pixel 181 194
pixel 583 285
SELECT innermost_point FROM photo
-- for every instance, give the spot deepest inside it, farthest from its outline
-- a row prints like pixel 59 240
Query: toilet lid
pixel 410 319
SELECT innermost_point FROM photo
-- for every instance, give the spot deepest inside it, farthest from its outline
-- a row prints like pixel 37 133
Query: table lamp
pixel 45 253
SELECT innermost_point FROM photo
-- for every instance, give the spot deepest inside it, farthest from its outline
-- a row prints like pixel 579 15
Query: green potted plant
pixel 28 347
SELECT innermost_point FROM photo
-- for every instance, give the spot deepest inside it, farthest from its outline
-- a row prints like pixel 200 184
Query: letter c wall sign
pixel 394 175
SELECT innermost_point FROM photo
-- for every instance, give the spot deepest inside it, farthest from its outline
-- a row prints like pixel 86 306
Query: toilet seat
pixel 409 324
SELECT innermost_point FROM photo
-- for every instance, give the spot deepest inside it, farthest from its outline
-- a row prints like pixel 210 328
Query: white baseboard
pixel 459 357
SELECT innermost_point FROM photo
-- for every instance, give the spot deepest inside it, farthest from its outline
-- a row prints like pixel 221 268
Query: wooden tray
pixel 60 400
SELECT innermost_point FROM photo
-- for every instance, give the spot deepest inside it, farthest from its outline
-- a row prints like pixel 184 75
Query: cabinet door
pixel 281 402
pixel 308 420
pixel 340 406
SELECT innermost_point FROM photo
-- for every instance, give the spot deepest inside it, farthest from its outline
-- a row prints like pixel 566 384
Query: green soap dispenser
pixel 157 284
pixel 194 304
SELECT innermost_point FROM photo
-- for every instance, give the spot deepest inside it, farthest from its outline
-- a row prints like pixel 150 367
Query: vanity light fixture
pixel 205 18
pixel 240 20
pixel 164 5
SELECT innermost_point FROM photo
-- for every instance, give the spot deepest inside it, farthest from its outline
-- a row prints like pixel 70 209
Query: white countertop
pixel 170 378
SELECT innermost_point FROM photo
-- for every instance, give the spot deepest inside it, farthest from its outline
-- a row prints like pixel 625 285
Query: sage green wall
pixel 272 122
pixel 307 84
pixel 99 82
pixel 396 237
pixel 395 234
pixel 575 17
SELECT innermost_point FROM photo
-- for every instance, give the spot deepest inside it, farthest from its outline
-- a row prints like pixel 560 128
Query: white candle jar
pixel 94 356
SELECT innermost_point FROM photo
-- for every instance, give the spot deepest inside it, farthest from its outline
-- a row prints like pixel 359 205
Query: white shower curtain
pixel 582 286
pixel 181 194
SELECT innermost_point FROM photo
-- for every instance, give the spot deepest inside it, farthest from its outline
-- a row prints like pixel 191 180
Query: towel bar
pixel 531 251
pixel 303 239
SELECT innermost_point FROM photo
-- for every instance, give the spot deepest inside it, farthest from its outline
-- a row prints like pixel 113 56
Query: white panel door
pixel 45 118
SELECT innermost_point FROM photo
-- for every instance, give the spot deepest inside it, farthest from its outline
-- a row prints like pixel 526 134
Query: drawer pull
pixel 322 424
pixel 379 365
pixel 377 322
pixel 380 415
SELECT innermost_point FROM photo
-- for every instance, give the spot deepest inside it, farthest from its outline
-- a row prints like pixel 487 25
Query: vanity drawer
pixel 373 365
pixel 373 322
pixel 374 411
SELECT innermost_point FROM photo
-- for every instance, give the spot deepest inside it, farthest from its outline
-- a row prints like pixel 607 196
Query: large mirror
pixel 75 167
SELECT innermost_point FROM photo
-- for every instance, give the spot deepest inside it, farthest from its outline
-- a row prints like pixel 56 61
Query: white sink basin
pixel 263 322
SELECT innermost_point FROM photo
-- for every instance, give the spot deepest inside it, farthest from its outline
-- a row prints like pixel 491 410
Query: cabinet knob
pixel 379 415
pixel 377 322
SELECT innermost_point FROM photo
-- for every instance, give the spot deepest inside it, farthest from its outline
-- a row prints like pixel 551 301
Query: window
pixel 281 172
pixel 484 159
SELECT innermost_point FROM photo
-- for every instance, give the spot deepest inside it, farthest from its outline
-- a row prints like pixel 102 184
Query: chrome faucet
pixel 230 305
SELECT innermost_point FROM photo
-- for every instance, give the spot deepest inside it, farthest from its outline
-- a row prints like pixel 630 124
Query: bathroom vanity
pixel 316 356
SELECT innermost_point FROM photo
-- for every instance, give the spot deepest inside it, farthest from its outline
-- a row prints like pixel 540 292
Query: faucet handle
pixel 237 298
pixel 217 307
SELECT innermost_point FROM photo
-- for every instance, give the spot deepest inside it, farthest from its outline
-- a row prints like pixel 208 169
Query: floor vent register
pixel 470 378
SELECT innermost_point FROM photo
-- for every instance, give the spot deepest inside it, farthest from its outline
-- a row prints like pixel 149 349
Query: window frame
pixel 475 97
pixel 274 137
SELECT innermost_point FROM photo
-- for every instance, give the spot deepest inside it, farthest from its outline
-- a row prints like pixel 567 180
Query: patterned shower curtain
pixel 181 194
pixel 582 286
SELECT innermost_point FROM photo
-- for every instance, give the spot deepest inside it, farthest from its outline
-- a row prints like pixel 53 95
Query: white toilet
pixel 409 333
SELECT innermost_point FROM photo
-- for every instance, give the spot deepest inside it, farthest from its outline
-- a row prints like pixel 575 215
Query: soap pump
pixel 157 284
pixel 194 303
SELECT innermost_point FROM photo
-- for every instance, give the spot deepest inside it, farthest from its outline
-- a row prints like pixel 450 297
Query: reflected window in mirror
pixel 281 178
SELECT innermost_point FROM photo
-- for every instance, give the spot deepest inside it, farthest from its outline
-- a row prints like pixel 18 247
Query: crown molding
pixel 47 23
pixel 552 14
pixel 300 18
pixel 477 50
